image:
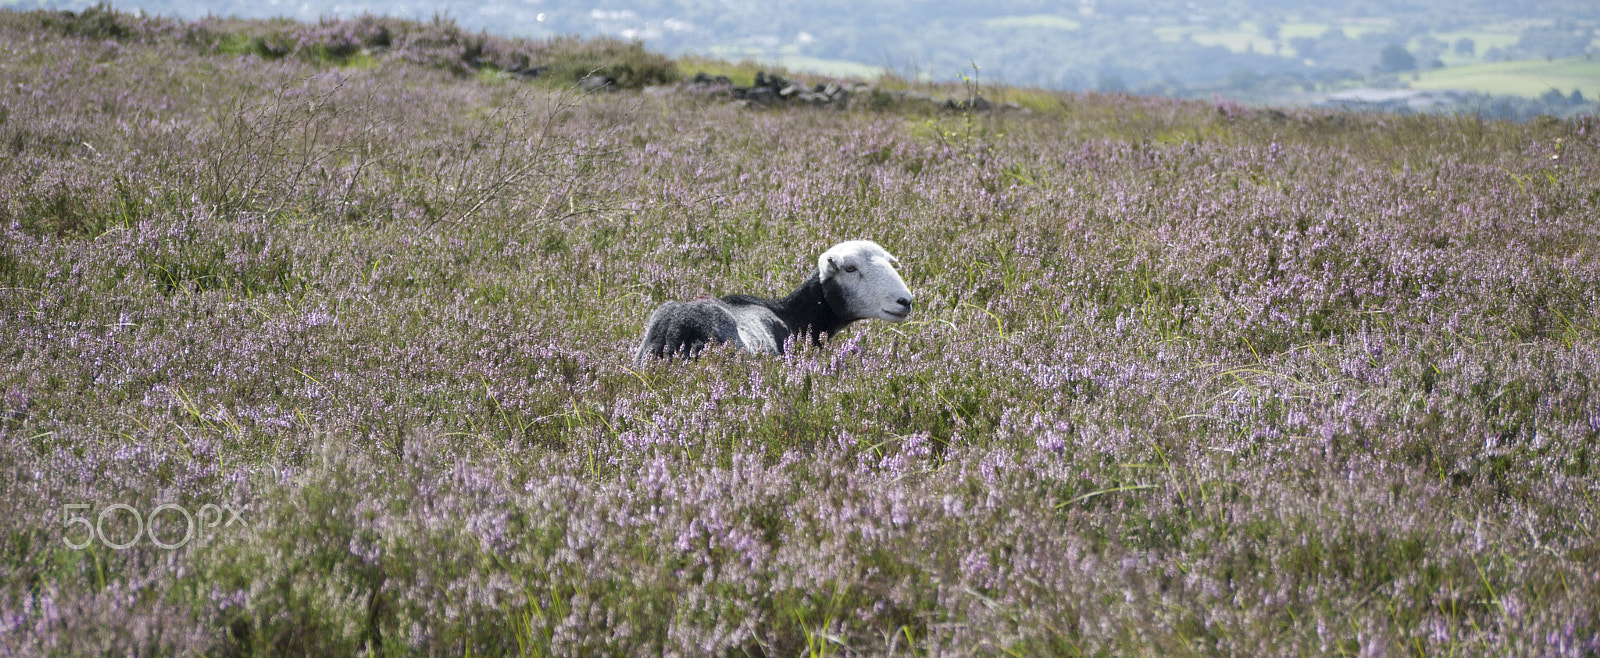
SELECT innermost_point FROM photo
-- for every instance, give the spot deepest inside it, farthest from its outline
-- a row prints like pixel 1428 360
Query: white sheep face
pixel 868 283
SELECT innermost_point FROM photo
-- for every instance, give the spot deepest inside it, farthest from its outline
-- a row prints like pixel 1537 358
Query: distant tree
pixel 1576 98
pixel 1560 40
pixel 1428 49
pixel 1396 58
pixel 1553 97
pixel 1495 55
pixel 1466 47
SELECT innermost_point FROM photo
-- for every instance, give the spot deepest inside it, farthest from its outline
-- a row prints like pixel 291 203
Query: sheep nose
pixel 904 302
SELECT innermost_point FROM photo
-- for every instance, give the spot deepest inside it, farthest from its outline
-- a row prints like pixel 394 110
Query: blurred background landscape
pixel 1504 59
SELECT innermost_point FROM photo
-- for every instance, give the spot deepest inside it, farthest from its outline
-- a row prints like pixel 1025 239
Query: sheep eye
pixel 849 268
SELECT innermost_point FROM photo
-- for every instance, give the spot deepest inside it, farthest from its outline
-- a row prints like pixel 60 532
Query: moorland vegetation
pixel 1184 378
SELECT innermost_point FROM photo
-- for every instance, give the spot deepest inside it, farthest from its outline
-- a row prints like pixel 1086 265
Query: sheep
pixel 854 280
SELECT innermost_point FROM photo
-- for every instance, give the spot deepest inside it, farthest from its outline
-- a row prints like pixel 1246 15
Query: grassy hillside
pixel 1528 79
pixel 1182 379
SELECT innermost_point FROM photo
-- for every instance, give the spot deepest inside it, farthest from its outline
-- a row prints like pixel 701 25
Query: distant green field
pixel 1248 37
pixel 787 58
pixel 1173 32
pixel 834 67
pixel 1049 21
pixel 1521 78
pixel 1297 29
pixel 1241 38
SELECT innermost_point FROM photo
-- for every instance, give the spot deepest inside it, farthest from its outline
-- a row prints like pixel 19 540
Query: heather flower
pixel 1274 392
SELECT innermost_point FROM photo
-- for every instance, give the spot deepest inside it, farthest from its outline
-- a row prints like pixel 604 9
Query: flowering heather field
pixel 1182 378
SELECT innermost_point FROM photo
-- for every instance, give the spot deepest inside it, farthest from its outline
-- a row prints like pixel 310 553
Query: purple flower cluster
pixel 1182 378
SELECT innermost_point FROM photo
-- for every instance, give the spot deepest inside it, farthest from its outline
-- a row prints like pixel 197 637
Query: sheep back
pixel 689 326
